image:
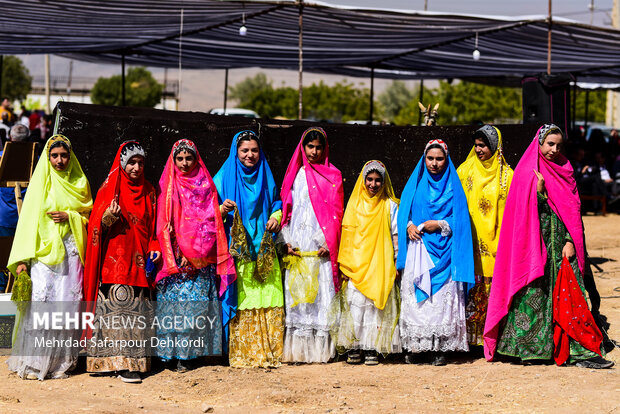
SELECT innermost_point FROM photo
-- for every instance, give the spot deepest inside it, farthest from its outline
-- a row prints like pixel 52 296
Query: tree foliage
pixel 16 79
pixel 597 104
pixel 141 89
pixel 467 102
pixel 340 102
pixel 394 98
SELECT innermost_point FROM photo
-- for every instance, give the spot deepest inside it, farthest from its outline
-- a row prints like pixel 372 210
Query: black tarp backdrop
pixel 96 131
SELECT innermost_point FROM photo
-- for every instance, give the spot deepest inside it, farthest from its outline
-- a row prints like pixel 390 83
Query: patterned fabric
pixel 439 196
pixel 528 329
pixel 188 207
pixel 257 338
pixel 476 310
pixel 130 150
pixel 238 239
pixel 120 301
pixel 37 236
pixel 117 255
pixel 521 254
pixel 325 191
pixel 439 142
pixel 547 129
pixel 192 295
pixel 366 253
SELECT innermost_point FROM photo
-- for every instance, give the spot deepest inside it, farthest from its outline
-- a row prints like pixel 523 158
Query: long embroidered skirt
pixel 55 288
pixel 193 301
pixel 106 350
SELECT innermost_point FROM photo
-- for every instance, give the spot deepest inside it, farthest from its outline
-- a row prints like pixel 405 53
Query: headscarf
pixel 253 189
pixel 326 195
pixel 131 237
pixel 366 248
pixel 521 253
pixel 37 236
pixel 255 192
pixel 188 203
pixel 486 185
pixel 438 197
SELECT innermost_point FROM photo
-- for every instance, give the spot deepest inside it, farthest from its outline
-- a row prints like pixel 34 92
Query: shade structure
pixel 338 40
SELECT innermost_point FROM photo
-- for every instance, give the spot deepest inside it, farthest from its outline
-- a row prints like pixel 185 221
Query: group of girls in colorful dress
pixel 293 276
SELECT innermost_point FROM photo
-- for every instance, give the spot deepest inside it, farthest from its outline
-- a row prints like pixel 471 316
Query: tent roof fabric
pixel 339 40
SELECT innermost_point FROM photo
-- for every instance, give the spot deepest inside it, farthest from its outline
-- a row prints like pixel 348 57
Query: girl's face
pixel 248 153
pixel 373 182
pixel 551 146
pixel 435 160
pixel 482 149
pixel 314 151
pixel 185 161
pixel 59 158
pixel 135 167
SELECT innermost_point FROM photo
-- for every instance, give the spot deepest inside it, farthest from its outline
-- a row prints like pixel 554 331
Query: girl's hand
pixel 228 206
pixel 114 208
pixel 155 256
pixel 414 233
pixel 184 262
pixel 540 187
pixel 273 226
pixel 569 250
pixel 58 216
pixel 291 251
pixel 21 267
pixel 323 252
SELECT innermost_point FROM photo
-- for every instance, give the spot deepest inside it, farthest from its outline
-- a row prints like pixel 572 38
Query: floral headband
pixel 131 149
pixel 376 166
pixel 58 140
pixel 439 142
pixel 184 145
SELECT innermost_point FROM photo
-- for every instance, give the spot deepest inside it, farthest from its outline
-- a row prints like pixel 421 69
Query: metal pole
pixel 69 79
pixel 225 89
pixel 123 97
pixel 585 122
pixel 301 60
pixel 421 99
pixel 550 22
pixel 163 104
pixel 372 95
pixel 47 85
pixel 574 106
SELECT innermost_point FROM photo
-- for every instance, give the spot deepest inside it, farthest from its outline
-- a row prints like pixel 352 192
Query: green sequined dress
pixel 528 329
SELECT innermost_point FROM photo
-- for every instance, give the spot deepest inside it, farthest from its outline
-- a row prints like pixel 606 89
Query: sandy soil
pixel 468 384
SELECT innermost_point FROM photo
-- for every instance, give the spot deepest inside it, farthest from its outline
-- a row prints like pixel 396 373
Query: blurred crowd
pixel 32 126
pixel 595 157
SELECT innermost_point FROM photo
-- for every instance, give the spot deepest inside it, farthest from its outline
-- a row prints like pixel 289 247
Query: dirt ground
pixel 468 384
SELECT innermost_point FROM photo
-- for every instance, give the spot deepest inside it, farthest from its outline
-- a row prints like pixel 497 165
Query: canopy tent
pixel 339 40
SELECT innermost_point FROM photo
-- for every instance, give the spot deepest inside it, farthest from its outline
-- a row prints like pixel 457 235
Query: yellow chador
pixel 486 185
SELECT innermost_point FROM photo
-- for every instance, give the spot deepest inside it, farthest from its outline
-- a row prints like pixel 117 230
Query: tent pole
pixel 574 107
pixel 225 89
pixel 549 20
pixel 421 99
pixel 372 95
pixel 585 122
pixel 123 97
pixel 301 60
pixel 48 104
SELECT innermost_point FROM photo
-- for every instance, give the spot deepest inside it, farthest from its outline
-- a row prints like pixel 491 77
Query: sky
pixel 204 89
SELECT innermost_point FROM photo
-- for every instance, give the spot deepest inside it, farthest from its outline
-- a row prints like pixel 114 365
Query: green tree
pixel 394 98
pixel 339 103
pixel 141 89
pixel 467 102
pixel 243 90
pixel 16 79
pixel 597 104
pixel 410 113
